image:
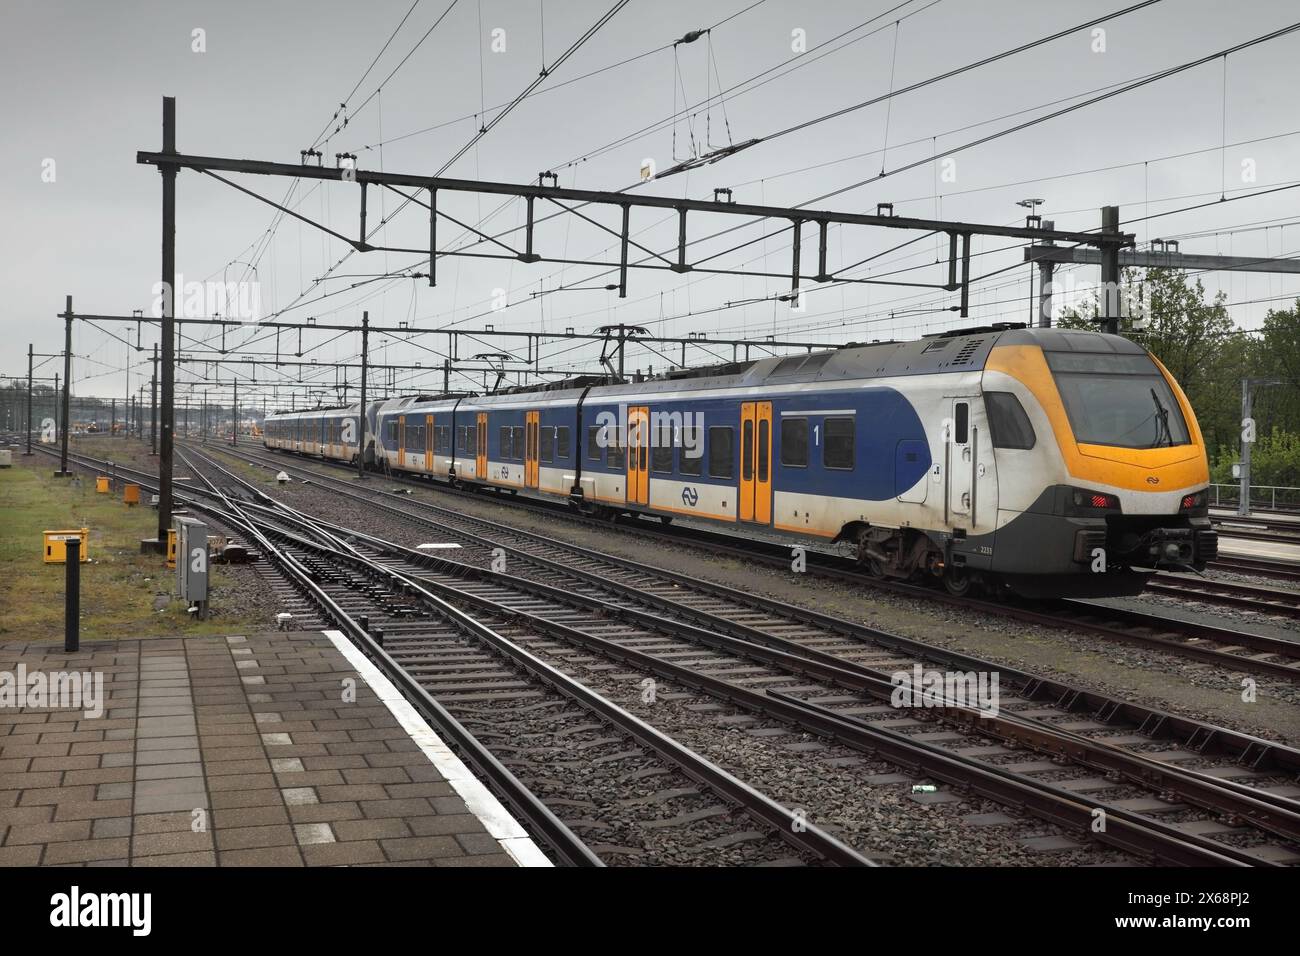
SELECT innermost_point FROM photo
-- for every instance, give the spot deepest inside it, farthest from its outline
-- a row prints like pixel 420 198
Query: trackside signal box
pixel 56 551
pixel 192 562
pixel 131 494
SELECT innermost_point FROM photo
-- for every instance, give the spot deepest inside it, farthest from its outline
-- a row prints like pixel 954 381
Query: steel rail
pixel 1245 748
pixel 522 801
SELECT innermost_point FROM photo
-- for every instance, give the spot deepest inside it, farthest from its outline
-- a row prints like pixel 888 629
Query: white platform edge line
pixel 496 819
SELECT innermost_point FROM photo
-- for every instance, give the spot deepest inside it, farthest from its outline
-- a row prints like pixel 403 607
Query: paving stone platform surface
pixel 223 751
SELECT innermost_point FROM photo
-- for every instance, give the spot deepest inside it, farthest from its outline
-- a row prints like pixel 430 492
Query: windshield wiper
pixel 1162 415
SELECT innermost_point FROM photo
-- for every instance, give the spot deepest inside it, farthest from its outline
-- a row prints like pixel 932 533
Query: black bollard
pixel 72 598
pixel 364 621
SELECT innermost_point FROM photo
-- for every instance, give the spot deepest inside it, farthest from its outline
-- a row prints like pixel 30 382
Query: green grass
pixel 118 585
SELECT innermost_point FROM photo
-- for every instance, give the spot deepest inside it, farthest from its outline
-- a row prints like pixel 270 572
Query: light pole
pixel 1031 219
pixel 1248 436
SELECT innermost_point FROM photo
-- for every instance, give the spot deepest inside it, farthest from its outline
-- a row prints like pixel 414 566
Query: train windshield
pixel 1120 400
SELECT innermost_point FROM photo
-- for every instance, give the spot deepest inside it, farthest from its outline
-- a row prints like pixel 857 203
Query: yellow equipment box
pixel 56 550
pixel 103 484
pixel 131 494
pixel 171 547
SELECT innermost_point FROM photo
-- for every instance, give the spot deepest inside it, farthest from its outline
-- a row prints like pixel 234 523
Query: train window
pixel 562 443
pixel 764 448
pixel 614 455
pixel 722 451
pixel 1008 422
pixel 415 438
pixel 661 455
pixel 961 421
pixel 547 443
pixel 794 442
pixel 507 443
pixel 593 442
pixel 747 450
pixel 838 451
pixel 519 443
pixel 1121 400
pixel 690 455
pixel 390 433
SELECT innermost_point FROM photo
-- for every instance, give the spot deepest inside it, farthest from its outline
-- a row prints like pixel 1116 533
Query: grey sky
pixel 84 82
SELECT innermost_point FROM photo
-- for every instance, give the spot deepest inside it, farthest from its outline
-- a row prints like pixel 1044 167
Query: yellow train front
pixel 1113 485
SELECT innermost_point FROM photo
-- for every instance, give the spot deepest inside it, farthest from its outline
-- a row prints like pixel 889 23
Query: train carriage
pixel 1046 461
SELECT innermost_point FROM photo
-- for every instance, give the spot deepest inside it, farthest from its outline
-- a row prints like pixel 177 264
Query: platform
pixel 281 749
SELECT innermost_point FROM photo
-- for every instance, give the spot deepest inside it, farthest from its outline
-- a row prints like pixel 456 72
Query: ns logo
pixel 1152 480
pixel 690 497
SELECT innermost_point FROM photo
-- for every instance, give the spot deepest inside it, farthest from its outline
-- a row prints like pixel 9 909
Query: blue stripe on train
pixel 890 452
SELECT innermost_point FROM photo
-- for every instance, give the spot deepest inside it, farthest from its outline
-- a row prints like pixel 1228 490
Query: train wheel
pixel 957 580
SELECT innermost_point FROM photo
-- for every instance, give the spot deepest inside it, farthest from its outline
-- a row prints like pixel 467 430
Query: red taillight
pixel 1194 500
pixel 1094 499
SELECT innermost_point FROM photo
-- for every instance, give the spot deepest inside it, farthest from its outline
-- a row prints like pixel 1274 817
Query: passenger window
pixel 593 442
pixel 961 416
pixel 661 458
pixel 837 452
pixel 1008 422
pixel 722 452
pixel 519 442
pixel 690 454
pixel 507 443
pixel 764 451
pixel 614 457
pixel 747 451
pixel 562 443
pixel 547 452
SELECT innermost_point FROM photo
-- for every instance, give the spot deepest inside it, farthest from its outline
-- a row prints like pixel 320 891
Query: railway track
pixel 1141 791
pixel 1259 568
pixel 1222 646
pixel 552 745
pixel 1249 597
pixel 794 646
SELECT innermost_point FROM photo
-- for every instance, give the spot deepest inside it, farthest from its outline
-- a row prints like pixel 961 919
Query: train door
pixel 532 424
pixel 428 443
pixel 960 462
pixel 480 454
pixel 401 441
pixel 638 455
pixel 756 462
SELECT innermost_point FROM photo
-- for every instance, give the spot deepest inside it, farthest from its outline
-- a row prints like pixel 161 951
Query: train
pixel 1046 463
